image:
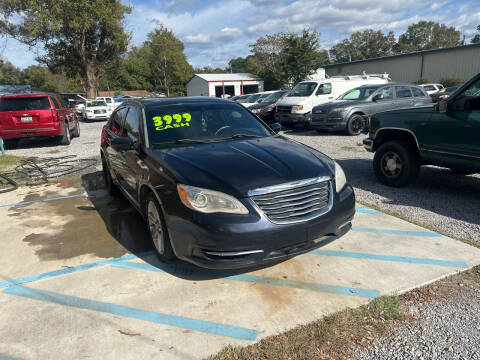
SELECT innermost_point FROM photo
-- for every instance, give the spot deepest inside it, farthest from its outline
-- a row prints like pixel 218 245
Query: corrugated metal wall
pixel 463 63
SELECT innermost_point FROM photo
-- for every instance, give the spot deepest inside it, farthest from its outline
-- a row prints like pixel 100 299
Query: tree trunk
pixel 91 81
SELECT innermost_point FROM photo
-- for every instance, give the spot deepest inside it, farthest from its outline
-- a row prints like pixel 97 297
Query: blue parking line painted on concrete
pixel 405 259
pixel 8 357
pixel 333 289
pixel 150 316
pixel 66 197
pixel 24 203
pixel 397 232
pixel 70 270
pixel 366 210
pixel 19 204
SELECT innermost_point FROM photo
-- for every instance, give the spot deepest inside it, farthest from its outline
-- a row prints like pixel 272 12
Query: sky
pixel 216 31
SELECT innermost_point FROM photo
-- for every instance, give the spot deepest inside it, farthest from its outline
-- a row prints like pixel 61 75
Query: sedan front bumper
pixel 225 241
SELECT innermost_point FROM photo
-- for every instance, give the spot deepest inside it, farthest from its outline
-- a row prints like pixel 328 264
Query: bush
pixel 451 81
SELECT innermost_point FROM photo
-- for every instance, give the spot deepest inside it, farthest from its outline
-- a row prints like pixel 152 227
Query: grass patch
pixel 418 223
pixel 329 338
pixel 54 151
pixel 9 161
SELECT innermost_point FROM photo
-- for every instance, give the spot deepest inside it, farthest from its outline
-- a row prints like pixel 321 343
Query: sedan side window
pixel 131 124
pixel 417 92
pixel 387 93
pixel 117 121
pixel 403 92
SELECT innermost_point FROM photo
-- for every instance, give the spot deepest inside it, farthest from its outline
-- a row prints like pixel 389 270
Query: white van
pixel 297 106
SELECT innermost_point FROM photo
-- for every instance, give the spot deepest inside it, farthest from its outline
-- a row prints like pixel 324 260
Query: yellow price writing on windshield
pixel 171 121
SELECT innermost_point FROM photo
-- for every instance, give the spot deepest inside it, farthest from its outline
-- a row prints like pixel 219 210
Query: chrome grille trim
pixel 294 203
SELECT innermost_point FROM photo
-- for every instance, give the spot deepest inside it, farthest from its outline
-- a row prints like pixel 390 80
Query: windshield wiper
pixel 239 136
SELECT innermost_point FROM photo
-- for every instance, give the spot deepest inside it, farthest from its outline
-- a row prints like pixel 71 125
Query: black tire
pixel 355 125
pixel 157 229
pixel 288 126
pixel 11 144
pixel 66 138
pixel 110 186
pixel 85 119
pixel 76 130
pixel 396 164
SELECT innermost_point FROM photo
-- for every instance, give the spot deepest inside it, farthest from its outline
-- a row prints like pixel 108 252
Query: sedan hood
pixel 236 166
pixel 261 105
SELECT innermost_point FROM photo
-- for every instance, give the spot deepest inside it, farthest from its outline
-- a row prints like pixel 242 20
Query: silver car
pixel 349 111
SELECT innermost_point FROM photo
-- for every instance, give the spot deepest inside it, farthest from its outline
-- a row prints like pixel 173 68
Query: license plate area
pixel 26 119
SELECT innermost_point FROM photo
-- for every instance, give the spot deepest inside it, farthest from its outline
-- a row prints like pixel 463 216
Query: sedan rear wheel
pixel 157 229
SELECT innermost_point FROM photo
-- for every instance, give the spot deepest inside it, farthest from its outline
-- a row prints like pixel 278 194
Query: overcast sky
pixel 216 31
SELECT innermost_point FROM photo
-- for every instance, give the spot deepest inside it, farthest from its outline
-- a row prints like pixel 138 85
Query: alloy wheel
pixel 155 227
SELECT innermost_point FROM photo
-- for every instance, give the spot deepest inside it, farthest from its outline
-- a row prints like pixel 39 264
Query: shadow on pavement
pixel 127 227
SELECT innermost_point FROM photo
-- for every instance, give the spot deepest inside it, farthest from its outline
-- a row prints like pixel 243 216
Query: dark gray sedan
pixel 349 111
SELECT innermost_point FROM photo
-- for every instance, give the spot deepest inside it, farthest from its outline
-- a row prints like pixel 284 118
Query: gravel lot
pixel 446 331
pixel 445 201
pixel 440 199
pixel 85 146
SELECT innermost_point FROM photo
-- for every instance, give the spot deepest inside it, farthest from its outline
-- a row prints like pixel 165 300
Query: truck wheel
pixel 355 124
pixel 66 138
pixel 396 164
pixel 76 130
pixel 157 229
pixel 11 143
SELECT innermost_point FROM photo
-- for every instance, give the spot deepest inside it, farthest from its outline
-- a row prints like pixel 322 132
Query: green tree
pixel 9 74
pixel 170 69
pixel 301 56
pixel 80 36
pixel 363 45
pixel 426 35
pixel 285 58
pixel 476 38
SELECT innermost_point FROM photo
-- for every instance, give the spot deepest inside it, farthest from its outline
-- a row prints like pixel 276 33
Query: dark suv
pixel 36 115
pixel 447 135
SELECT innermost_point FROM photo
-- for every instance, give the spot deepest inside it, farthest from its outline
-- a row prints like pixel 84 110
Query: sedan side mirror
pixel 276 127
pixel 377 97
pixel 122 144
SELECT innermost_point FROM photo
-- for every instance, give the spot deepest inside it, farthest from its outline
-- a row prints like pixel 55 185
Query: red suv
pixel 36 115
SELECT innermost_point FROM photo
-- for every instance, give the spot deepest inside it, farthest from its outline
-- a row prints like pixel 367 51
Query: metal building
pixel 460 61
pixel 220 85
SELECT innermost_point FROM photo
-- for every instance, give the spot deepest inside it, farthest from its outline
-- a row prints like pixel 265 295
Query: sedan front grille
pixel 284 109
pixel 100 111
pixel 297 204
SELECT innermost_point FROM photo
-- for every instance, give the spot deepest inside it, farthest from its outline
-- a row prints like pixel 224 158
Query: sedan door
pixel 404 97
pixel 132 169
pixel 115 130
pixel 384 100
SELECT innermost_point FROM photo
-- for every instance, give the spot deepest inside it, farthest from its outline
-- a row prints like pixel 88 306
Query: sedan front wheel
pixel 157 229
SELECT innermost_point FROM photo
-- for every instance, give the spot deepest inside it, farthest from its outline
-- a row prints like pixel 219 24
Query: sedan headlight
pixel 297 107
pixel 209 201
pixel 337 110
pixel 256 111
pixel 340 178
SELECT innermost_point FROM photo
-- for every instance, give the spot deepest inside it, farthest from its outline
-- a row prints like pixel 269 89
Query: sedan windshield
pixel 303 89
pixel 197 123
pixel 271 98
pixel 251 98
pixel 360 93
